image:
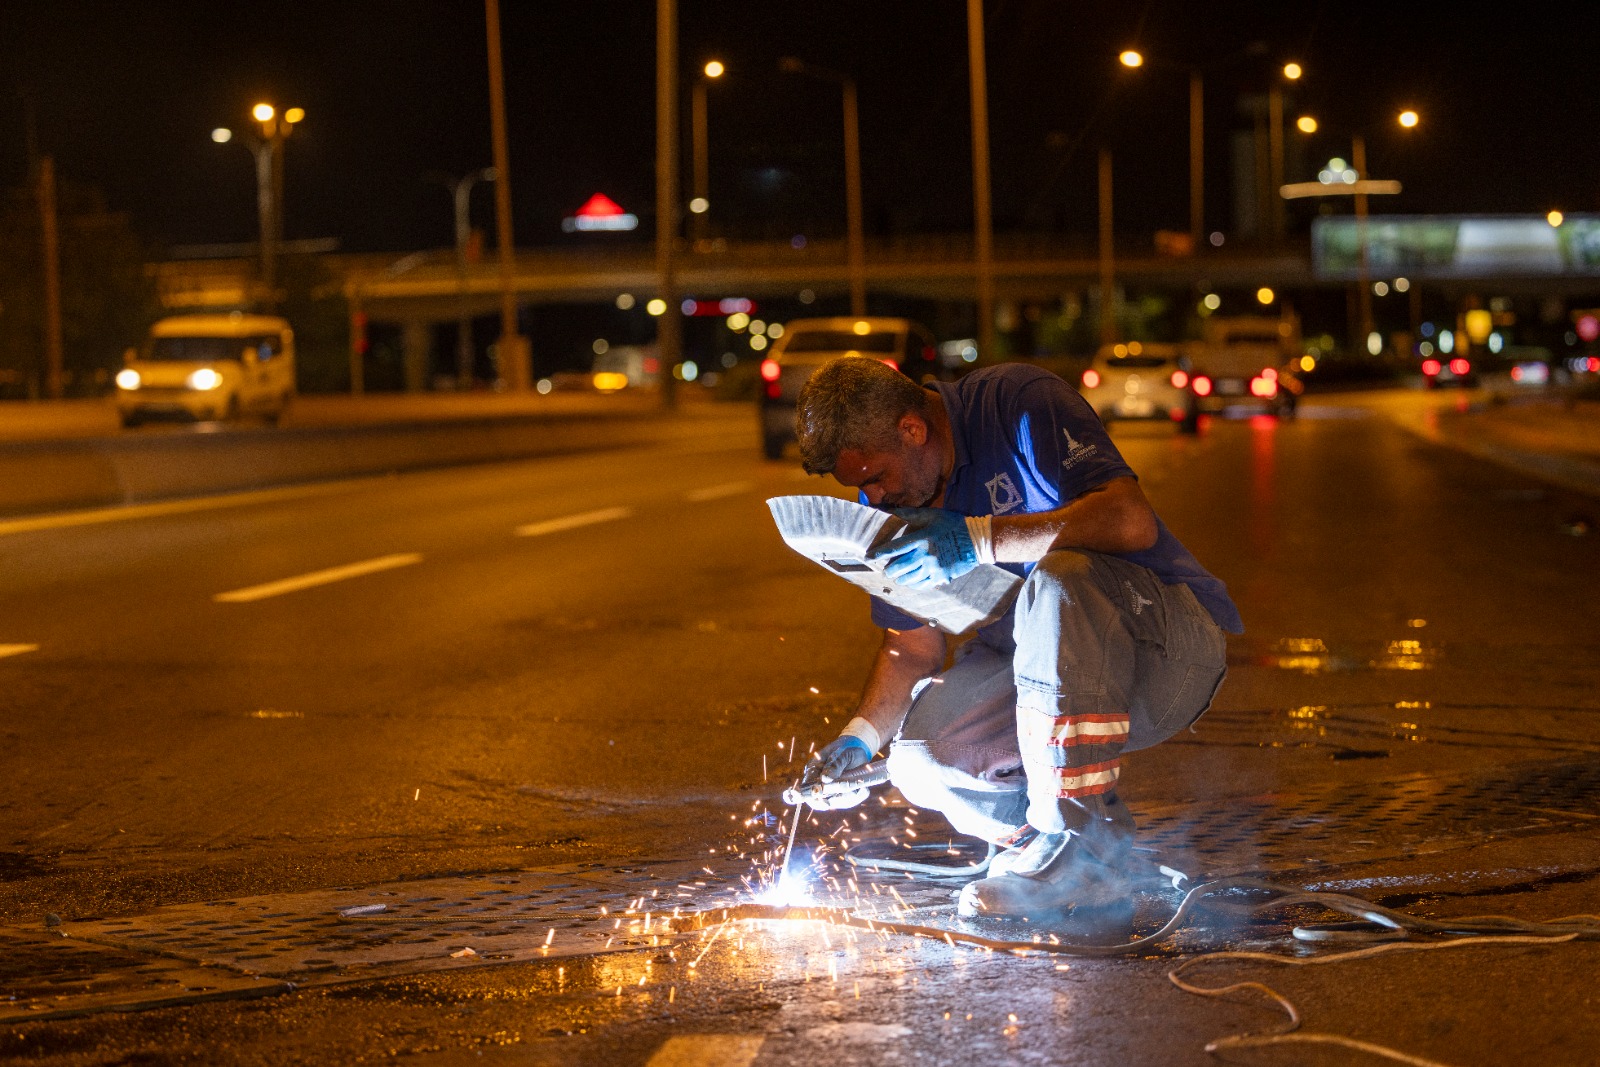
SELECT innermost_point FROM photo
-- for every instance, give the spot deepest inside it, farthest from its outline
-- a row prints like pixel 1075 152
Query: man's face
pixel 905 476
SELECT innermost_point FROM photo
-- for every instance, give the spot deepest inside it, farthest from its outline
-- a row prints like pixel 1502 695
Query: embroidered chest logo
pixel 1077 451
pixel 1139 602
pixel 1003 495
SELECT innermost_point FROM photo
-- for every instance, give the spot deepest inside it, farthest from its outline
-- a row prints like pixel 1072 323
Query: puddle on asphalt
pixel 1350 730
pixel 1311 655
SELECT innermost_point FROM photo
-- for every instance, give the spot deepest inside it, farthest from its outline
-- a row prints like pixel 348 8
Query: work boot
pixel 1055 874
pixel 1011 848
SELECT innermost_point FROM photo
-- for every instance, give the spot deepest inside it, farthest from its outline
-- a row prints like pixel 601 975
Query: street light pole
pixel 461 196
pixel 669 324
pixel 855 240
pixel 1197 163
pixel 700 142
pixel 1358 160
pixel 514 370
pixel 1108 280
pixel 983 215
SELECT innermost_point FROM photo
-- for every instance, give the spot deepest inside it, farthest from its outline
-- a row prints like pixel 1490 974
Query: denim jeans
pixel 1102 659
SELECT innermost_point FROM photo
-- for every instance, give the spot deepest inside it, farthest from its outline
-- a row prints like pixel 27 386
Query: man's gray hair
pixel 853 402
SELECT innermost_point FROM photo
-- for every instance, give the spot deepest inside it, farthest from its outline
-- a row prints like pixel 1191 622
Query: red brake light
pixel 1459 366
pixel 1430 367
pixel 1270 375
pixel 1202 385
pixel 770 370
pixel 1179 379
pixel 774 391
pixel 1263 386
pixel 1091 378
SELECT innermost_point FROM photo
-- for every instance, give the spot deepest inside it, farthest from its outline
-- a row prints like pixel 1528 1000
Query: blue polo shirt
pixel 1025 441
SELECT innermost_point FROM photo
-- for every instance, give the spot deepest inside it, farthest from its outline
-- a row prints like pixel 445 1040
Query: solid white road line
pixel 16 650
pixel 714 492
pixel 95 516
pixel 572 522
pixel 315 578
pixel 707 1050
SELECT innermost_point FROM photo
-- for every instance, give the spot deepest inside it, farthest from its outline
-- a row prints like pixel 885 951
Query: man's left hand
pixel 935 548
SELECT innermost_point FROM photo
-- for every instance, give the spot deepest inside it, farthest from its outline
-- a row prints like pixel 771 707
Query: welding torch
pixel 826 793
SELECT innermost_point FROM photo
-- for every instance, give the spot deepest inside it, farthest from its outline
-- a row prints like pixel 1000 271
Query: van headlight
pixel 204 378
pixel 128 378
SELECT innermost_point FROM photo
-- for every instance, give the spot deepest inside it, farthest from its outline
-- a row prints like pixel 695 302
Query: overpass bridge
pixel 429 286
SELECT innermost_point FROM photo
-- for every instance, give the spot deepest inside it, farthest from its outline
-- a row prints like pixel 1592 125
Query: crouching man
pixel 1114 643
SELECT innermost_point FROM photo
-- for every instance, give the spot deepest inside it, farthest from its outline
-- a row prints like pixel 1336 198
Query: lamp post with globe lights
pixel 700 204
pixel 274 128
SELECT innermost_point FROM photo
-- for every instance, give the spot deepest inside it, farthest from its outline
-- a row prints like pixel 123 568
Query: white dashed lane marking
pixel 716 492
pixel 707 1050
pixel 16 650
pixel 572 522
pixel 96 516
pixel 316 578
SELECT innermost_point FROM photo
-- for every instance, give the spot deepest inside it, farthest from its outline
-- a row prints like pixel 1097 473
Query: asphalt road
pixel 587 658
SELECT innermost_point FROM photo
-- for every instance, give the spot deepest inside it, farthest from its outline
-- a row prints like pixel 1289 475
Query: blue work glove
pixel 841 755
pixel 933 549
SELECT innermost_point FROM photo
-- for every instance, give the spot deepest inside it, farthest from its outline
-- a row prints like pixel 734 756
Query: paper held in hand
pixel 839 533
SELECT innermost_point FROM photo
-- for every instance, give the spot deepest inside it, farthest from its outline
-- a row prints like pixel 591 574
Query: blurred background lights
pixel 757 326
pixel 699 205
pixel 757 342
pixel 775 330
pixel 1130 58
pixel 1447 341
pixel 1308 363
pixel 738 321
pixel 1408 118
pixel 1265 295
pixel 263 112
pixel 656 307
pixel 544 386
pixel 1555 218
pixel 1216 238
pixel 1496 342
pixel 806 296
pixel 1212 301
pixel 601 346
pixel 1380 288
pixel 714 69
pixel 1306 124
pixel 1375 343
pixel 729 360
pixel 294 115
pixel 625 301
pixel 1292 71
pixel 222 135
pixel 1402 284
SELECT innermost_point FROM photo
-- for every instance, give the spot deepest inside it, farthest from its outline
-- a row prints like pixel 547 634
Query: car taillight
pixel 1091 378
pixel 774 390
pixel 1459 366
pixel 1430 367
pixel 1269 374
pixel 770 370
pixel 1263 387
pixel 1179 379
pixel 1202 385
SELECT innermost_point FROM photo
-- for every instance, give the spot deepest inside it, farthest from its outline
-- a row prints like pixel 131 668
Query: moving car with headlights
pixel 807 344
pixel 207 367
pixel 1141 380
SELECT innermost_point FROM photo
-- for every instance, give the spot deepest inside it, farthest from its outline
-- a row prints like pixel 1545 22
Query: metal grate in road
pixel 254 945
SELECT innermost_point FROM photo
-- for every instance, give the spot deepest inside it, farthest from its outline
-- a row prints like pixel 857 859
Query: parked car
pixel 807 344
pixel 209 367
pixel 1141 381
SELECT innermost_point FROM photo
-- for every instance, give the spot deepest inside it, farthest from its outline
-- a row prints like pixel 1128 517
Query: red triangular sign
pixel 599 204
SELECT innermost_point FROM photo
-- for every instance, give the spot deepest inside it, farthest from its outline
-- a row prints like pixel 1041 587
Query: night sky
pixel 125 96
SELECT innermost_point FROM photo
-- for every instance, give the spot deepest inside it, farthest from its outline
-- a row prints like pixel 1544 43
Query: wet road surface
pixel 592 661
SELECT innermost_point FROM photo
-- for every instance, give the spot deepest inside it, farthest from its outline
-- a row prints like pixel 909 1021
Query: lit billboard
pixel 1457 246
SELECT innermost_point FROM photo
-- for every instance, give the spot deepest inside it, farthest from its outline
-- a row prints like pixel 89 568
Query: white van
pixel 209 367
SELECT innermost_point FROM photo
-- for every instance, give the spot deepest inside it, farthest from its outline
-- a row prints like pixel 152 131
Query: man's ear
pixel 913 429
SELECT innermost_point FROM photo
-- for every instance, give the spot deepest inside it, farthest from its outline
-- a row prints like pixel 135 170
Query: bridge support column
pixel 416 344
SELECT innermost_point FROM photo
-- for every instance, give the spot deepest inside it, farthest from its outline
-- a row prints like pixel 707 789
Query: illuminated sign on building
pixel 1457 246
pixel 599 212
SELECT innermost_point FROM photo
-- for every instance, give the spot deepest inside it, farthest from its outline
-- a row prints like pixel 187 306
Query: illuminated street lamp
pixel 701 204
pixel 268 150
pixel 854 239
pixel 1360 186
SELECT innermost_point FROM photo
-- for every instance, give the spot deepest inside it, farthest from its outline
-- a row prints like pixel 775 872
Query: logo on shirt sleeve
pixel 1003 495
pixel 1077 451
